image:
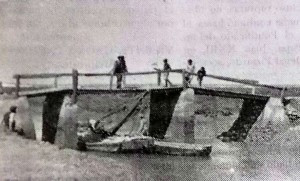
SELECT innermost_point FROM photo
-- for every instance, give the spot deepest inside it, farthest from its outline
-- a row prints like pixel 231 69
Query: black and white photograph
pixel 150 90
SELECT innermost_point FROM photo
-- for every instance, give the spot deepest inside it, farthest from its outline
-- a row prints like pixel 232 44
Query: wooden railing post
pixel 55 82
pixel 253 90
pixel 158 77
pixel 282 93
pixel 17 85
pixel 1 88
pixel 75 85
pixel 111 81
pixel 184 83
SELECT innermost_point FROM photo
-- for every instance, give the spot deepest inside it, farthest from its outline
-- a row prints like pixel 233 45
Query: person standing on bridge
pixel 118 69
pixel 166 67
pixel 124 68
pixel 190 69
pixel 201 73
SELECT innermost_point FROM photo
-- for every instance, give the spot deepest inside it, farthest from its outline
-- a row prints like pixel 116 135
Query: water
pixel 227 161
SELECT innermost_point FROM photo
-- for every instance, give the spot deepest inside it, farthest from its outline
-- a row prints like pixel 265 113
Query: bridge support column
pixel 251 109
pixel 182 125
pixel 51 111
pixel 162 104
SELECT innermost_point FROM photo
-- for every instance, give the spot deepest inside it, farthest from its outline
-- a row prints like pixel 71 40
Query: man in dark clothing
pixel 119 68
pixel 167 67
pixel 124 68
pixel 201 73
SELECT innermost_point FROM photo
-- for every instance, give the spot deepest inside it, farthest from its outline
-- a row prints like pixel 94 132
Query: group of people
pixel 188 74
pixel 120 68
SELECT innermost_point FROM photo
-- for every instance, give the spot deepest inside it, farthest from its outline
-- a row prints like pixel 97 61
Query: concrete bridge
pixel 162 101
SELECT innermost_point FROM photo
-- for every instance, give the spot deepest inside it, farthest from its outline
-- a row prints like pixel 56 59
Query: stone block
pixel 182 125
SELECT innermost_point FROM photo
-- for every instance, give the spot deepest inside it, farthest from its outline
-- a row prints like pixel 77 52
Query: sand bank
pixel 24 159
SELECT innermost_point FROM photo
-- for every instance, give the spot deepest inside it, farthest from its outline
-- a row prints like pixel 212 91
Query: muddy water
pixel 228 161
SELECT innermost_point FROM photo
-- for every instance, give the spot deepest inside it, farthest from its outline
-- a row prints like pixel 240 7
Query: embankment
pixel 23 159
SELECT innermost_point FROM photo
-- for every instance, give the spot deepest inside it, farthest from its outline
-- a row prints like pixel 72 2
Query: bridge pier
pixel 66 135
pixel 51 110
pixel 251 110
pixel 162 104
pixel 182 124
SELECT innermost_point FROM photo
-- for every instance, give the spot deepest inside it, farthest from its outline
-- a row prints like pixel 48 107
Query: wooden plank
pixel 17 85
pixel 43 92
pixel 210 92
pixel 199 91
pixel 44 75
pixel 129 73
pixel 243 81
pixel 109 91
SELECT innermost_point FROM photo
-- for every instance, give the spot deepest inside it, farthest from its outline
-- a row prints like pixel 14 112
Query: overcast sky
pixel 243 39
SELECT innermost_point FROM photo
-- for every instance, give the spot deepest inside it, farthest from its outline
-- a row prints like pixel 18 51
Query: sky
pixel 245 39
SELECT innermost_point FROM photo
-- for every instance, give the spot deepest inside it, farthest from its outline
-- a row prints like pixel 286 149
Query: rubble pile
pixel 272 121
pixel 292 110
pixel 263 133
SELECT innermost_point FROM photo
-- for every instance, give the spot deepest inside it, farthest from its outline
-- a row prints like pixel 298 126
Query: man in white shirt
pixel 9 119
pixel 190 69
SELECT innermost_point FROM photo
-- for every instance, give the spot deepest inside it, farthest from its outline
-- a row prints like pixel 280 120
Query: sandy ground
pixel 23 159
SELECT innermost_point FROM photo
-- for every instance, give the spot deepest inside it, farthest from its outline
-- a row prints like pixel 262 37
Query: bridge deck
pixel 198 91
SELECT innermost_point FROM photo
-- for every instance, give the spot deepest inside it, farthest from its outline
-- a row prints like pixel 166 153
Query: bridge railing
pixel 75 75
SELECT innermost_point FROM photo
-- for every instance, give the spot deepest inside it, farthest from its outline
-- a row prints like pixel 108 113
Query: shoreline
pixel 24 159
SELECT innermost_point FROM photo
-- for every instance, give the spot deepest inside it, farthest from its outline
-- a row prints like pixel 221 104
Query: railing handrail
pixel 42 75
pixel 54 75
pixel 157 72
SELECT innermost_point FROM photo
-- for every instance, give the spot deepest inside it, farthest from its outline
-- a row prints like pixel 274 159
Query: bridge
pixel 162 100
pixel 76 90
